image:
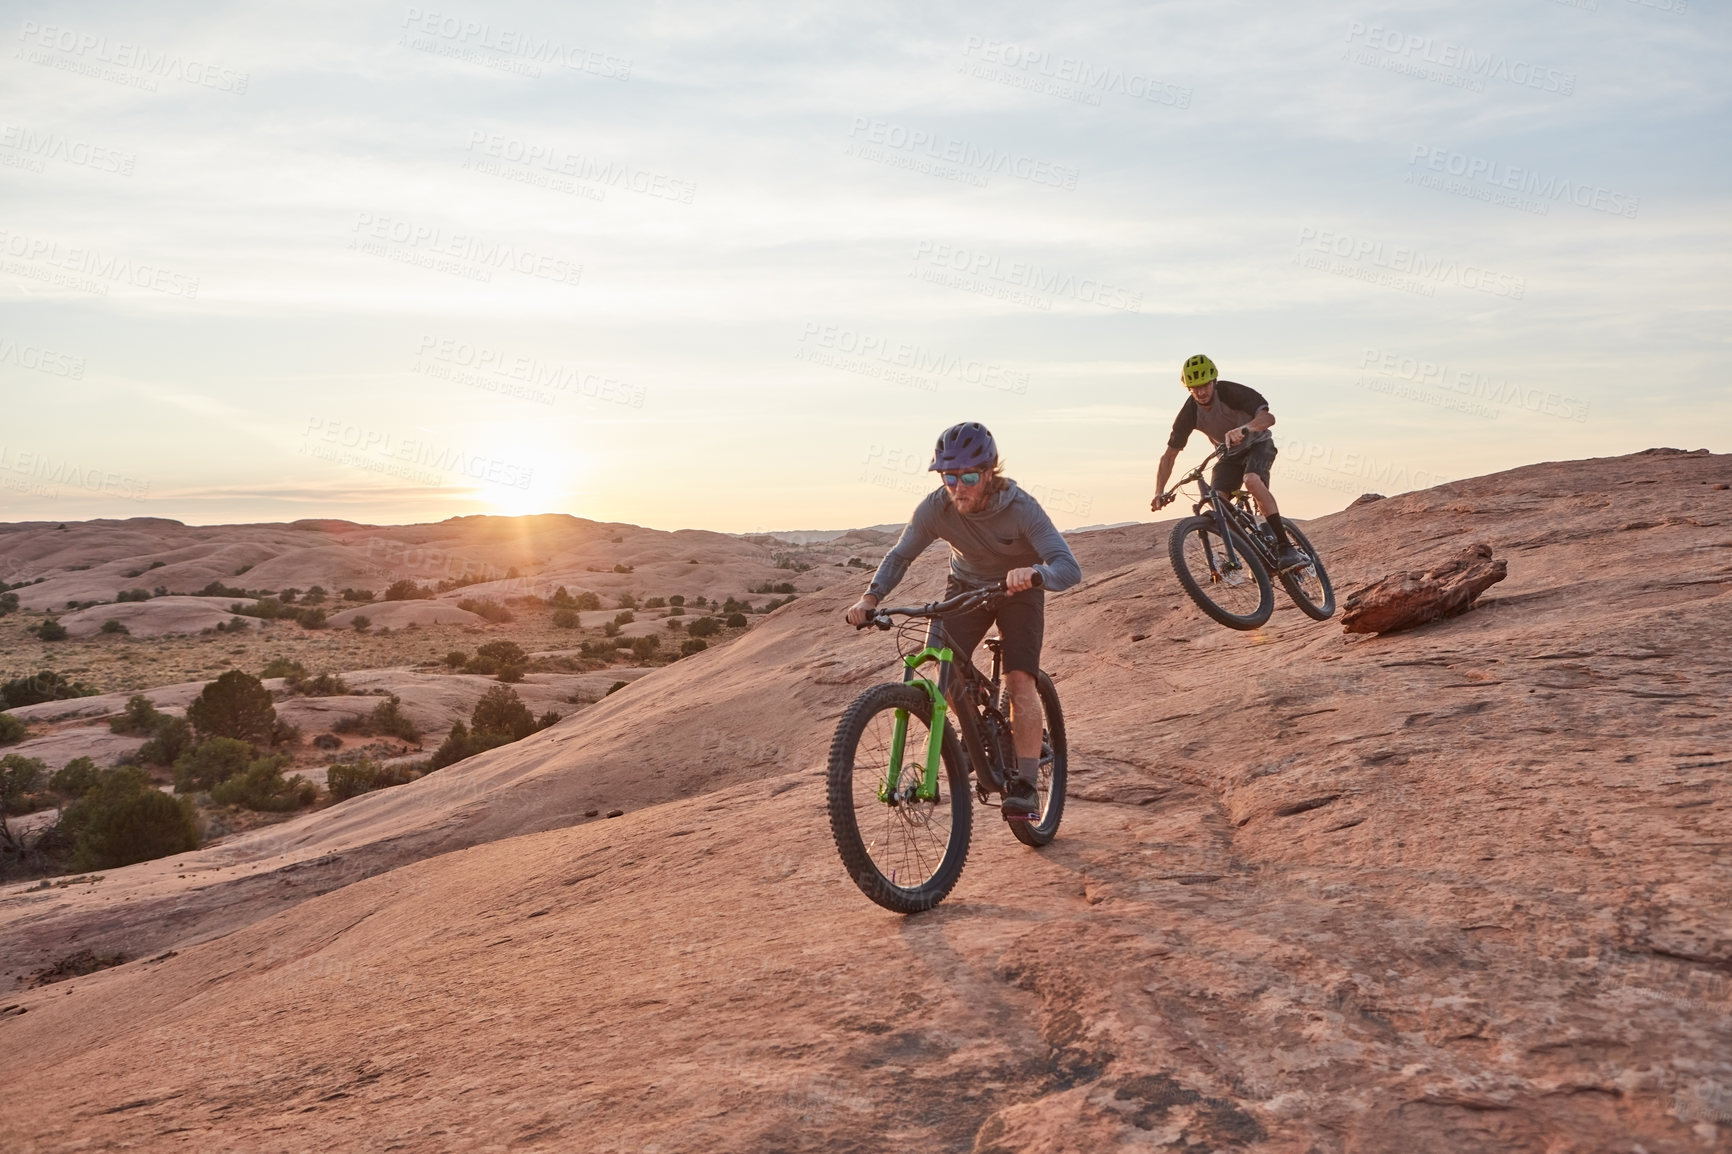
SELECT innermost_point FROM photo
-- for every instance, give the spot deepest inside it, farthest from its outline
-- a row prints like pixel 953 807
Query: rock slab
pixel 1403 600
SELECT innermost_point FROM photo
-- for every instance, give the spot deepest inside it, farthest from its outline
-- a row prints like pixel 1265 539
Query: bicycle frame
pixel 967 723
pixel 1227 515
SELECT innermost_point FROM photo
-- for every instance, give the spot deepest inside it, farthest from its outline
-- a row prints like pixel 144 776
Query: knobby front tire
pixel 1309 587
pixel 1054 770
pixel 1239 598
pixel 907 856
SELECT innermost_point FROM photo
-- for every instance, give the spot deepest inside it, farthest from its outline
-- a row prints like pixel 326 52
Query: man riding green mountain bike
pixel 996 532
pixel 1237 417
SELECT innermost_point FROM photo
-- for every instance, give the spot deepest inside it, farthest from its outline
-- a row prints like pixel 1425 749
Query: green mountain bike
pixel 899 789
pixel 1223 557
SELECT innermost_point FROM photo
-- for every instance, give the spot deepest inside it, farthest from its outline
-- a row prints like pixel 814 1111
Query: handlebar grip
pixel 1039 581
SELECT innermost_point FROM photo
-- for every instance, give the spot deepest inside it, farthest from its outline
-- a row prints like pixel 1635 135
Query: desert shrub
pixel 586 602
pixel 210 763
pixel 288 595
pixel 676 611
pixel 76 778
pixel 561 598
pixel 674 624
pixel 622 643
pixel 656 603
pixel 19 777
pixel 283 667
pixel 12 729
pixel 547 720
pixel 139 717
pixel 676 599
pixel 704 627
pixel 132 594
pixel 50 630
pixel 501 711
pixel 348 779
pixel 566 619
pixel 361 623
pixel 737 621
pixel 461 743
pixel 235 705
pixel 236 624
pixel 357 594
pixel 126 819
pixel 643 648
pixel 260 786
pixel 625 618
pixel 622 568
pixel 218 589
pixel 312 618
pixel 45 686
pixel 627 601
pixel 504 652
pixel 487 609
pixel 407 590
pixel 602 649
pixel 314 595
pixel 456 658
pixel 610 628
pixel 386 719
pixel 510 674
pixel 173 738
pixel 327 741
pixel 692 645
pixel 113 626
pixel 265 609
pixel 8 603
pixel 615 688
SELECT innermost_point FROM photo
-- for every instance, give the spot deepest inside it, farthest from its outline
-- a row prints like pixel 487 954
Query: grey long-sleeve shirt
pixel 1012 532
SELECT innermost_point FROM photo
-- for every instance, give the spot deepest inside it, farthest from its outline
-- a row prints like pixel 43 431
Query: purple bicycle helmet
pixel 965 446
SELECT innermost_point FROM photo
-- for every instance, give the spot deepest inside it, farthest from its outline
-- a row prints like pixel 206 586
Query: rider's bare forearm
pixel 1263 420
pixel 1165 472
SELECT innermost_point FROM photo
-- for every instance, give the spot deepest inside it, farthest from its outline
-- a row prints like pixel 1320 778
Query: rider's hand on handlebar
pixel 1162 501
pixel 1018 580
pixel 860 613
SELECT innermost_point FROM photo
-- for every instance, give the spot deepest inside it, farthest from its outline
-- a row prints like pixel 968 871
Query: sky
pixel 735 266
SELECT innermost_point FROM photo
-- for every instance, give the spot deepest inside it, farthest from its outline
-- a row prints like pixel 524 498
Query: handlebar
pixel 1165 498
pixel 967 599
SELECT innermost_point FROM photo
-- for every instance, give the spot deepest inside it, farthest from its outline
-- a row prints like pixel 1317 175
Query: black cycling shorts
pixel 1230 471
pixel 1021 619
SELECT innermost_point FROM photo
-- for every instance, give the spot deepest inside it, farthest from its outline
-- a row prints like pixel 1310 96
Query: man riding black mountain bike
pixel 1231 414
pixel 996 532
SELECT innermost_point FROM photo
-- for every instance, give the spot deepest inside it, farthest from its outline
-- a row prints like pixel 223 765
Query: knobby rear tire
pixel 896 830
pixel 1205 530
pixel 1040 833
pixel 1314 595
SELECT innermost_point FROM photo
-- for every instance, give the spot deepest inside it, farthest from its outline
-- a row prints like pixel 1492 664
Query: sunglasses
pixel 951 479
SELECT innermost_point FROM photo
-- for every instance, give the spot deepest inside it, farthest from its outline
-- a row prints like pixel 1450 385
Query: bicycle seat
pixel 1240 494
pixel 993 643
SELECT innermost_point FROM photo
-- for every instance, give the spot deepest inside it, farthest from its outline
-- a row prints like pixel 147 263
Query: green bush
pixel 656 603
pixel 456 658
pixel 361 622
pixel 314 595
pixel 324 685
pixel 487 609
pixel 261 787
pixel 691 646
pixel 114 626
pixel 173 738
pixel 615 688
pixel 357 594
pixel 676 611
pixel 500 711
pixel 124 820
pixel 139 717
pixel 677 600
pixel 674 624
pixel 132 594
pixel 346 779
pixel 45 686
pixel 610 628
pixel 19 777
pixel 12 729
pixel 312 618
pixel 643 648
pixel 76 778
pixel 283 667
pixel 504 652
pixel 235 705
pixel 8 603
pixel 627 601
pixel 510 674
pixel 737 621
pixel 625 618
pixel 566 619
pixel 704 627
pixel 547 720
pixel 586 602
pixel 407 590
pixel 210 763
pixel 387 718
pixel 51 630
pixel 460 743
pixel 602 649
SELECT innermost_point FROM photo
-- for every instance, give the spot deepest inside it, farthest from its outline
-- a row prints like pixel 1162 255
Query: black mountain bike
pixel 901 824
pixel 1223 558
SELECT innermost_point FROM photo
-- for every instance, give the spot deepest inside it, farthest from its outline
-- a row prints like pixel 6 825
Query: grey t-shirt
pixel 1232 405
pixel 1012 532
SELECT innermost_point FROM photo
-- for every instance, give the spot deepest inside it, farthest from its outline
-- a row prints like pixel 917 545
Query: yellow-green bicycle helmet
pixel 1198 371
